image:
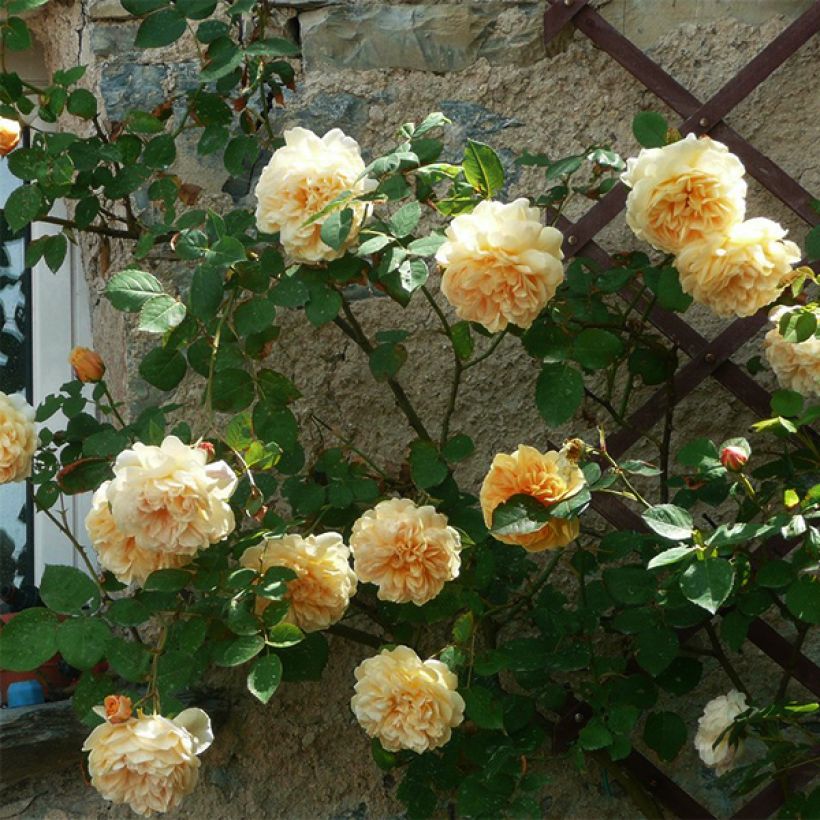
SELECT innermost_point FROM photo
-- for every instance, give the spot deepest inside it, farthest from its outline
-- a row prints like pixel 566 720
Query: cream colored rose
pixel 18 438
pixel 718 716
pixel 796 365
pixel 501 265
pixel 148 762
pixel 406 703
pixel 409 552
pixel 548 477
pixel 683 192
pixel 304 176
pixel 321 593
pixel 740 271
pixel 169 499
pixel 119 554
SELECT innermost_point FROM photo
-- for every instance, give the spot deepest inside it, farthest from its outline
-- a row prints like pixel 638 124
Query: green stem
pixel 724 661
pixel 209 389
pixel 488 352
pixel 114 409
pixel 350 446
pixel 355 635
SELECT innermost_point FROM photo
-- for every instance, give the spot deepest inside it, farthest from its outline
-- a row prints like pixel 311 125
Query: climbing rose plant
pixel 216 539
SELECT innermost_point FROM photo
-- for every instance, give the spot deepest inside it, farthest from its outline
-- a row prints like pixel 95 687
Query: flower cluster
pixel 689 199
pixel 163 505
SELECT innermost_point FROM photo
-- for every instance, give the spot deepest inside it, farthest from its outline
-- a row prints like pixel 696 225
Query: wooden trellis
pixel 706 358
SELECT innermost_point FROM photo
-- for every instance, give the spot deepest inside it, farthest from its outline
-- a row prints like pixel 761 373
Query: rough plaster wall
pixel 303 756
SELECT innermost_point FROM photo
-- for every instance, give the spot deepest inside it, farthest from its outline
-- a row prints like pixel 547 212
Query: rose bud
pixel 9 135
pixel 87 365
pixel 206 448
pixel 117 708
pixel 734 458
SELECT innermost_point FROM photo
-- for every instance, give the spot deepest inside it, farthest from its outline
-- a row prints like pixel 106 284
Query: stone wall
pixel 368 67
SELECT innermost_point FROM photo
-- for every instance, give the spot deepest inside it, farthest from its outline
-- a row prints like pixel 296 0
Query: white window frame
pixel 60 320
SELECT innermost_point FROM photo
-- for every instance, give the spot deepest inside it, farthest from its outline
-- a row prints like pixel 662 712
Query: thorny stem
pixel 622 476
pixel 66 530
pixel 488 352
pixel 619 418
pixel 724 661
pixel 355 635
pixel 212 365
pixel 116 233
pixel 153 692
pixel 353 330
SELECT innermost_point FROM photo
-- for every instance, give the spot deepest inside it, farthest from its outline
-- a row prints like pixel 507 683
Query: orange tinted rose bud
pixel 9 135
pixel 734 458
pixel 206 448
pixel 88 366
pixel 117 708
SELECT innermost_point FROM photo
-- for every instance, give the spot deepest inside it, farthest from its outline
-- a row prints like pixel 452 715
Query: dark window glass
pixel 16 508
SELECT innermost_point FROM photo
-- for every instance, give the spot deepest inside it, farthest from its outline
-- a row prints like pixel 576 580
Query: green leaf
pixel 708 583
pixel 669 291
pixel 206 292
pixel 129 290
pixel 237 651
pixel 306 660
pixel 66 589
pixel 254 316
pixel 386 360
pixel 56 248
pixel 161 314
pixel 665 733
pixel 233 390
pixel 630 585
pixel 404 221
pixel 128 659
pixel 28 640
pixel 650 129
pixel 265 677
pixel 559 392
pixel 426 465
pixel 82 103
pixel 596 349
pixel 519 515
pixel 16 36
pixel 426 245
pixel 670 556
pixel 83 641
pixel 812 244
pixel 167 580
pixel 803 599
pixel 128 612
pixel 458 448
pixel 161 28
pixel 788 403
pixel 775 574
pixel 323 306
pixel 656 649
pixel 482 168
pixel 681 676
pixel 483 708
pixel 163 368
pixel 594 736
pixel 22 206
pixel 797 326
pixel 160 152
pixel 284 635
pixel 670 522
pixel 336 228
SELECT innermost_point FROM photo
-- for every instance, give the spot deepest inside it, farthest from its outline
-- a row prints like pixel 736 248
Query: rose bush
pixel 220 540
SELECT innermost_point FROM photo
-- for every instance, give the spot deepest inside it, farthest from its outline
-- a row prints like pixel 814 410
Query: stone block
pixel 107 10
pixel 441 38
pixel 113 39
pixel 131 85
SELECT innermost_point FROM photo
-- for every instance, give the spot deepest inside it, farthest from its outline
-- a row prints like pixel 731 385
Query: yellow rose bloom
pixel 796 365
pixel 740 271
pixel 303 177
pixel 18 438
pixel 149 762
pixel 501 264
pixel 405 702
pixel 409 552
pixel 683 192
pixel 325 582
pixel 548 477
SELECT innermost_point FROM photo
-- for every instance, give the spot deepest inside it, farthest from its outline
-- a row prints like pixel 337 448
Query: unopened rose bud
pixel 87 365
pixel 206 448
pixel 9 135
pixel 117 708
pixel 734 458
